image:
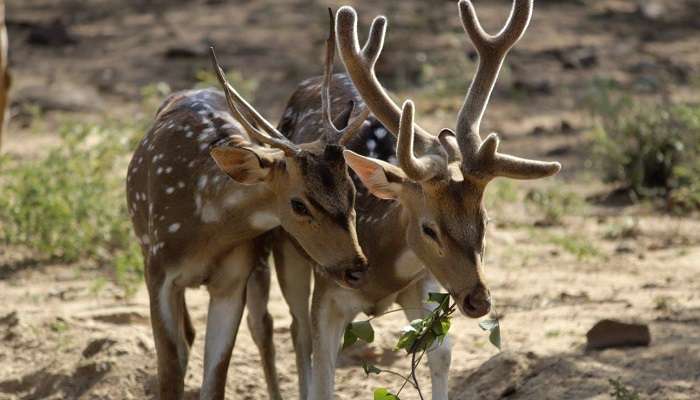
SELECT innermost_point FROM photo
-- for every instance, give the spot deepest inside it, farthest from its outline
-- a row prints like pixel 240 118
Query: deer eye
pixel 429 232
pixel 299 208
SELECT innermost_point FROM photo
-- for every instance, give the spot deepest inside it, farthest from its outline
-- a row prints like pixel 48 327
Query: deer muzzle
pixel 477 302
pixel 351 273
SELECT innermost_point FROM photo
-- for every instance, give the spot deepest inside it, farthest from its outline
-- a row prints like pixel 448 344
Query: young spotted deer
pixel 202 190
pixel 431 212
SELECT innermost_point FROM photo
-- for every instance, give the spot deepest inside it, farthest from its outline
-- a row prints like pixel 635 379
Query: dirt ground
pixel 67 333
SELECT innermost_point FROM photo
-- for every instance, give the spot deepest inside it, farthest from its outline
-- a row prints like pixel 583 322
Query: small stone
pixel 97 346
pixel 611 333
pixel 624 248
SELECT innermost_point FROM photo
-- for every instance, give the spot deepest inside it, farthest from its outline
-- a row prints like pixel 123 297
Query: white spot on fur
pixel 181 184
pixel 174 227
pixel 202 182
pixel 145 240
pixel 210 213
pixel 264 220
pixel 159 170
pixel 234 199
pixel 198 202
pixel 407 266
pixel 169 170
pixel 169 190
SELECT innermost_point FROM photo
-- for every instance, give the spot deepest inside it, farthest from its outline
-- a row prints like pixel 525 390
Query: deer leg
pixel 260 321
pixel 171 332
pixel 328 322
pixel 227 291
pixel 294 276
pixel 413 300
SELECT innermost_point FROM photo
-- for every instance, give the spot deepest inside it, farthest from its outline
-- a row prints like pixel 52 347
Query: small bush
pixel 576 245
pixel 619 391
pixel 652 149
pixel 70 203
pixel 553 204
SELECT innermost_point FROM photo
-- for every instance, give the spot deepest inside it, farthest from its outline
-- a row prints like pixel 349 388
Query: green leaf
pixel 407 340
pixel 370 369
pixel 384 394
pixel 492 326
pixel 488 324
pixel 363 330
pixel 440 298
pixel 495 337
pixel 445 324
pixel 349 338
pixel 441 327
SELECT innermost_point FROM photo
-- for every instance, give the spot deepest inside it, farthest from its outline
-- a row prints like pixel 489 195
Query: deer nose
pixel 477 303
pixel 356 275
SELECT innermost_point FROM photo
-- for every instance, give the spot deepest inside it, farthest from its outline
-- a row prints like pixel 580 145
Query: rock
pixel 54 34
pixel 611 333
pixel 625 248
pixel 559 151
pixel 499 377
pixel 540 87
pixel 575 57
pixel 121 317
pixel 97 346
pixel 10 320
pixel 185 51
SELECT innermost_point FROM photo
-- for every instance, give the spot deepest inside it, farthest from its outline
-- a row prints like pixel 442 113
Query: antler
pixel 333 134
pixel 240 108
pixel 360 66
pixel 481 158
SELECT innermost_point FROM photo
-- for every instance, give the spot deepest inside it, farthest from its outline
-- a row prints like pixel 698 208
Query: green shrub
pixel 652 149
pixel 619 391
pixel 553 204
pixel 70 203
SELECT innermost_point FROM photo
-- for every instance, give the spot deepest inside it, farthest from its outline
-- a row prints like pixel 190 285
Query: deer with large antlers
pixel 205 184
pixel 431 213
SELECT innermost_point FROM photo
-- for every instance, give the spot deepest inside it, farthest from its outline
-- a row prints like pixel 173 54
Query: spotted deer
pixel 427 211
pixel 205 184
pixel 4 74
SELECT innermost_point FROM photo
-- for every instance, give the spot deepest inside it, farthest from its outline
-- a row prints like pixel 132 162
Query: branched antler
pixel 240 108
pixel 332 133
pixel 360 66
pixel 481 159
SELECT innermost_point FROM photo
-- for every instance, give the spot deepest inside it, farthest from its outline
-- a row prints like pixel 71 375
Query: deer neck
pixel 382 228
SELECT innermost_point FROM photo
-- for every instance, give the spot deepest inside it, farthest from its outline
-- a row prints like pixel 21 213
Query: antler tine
pixel 492 51
pixel 360 67
pixel 252 113
pixel 418 169
pixel 333 134
pixel 327 77
pixel 353 126
pixel 232 97
pixel 492 164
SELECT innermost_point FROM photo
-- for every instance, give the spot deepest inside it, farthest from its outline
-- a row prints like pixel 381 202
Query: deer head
pixel 314 194
pixel 442 178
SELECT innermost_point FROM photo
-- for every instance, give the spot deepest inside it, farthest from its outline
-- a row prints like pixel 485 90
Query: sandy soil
pixel 67 333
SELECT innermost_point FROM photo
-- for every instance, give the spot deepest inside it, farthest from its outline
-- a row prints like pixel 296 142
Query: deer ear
pixel 246 165
pixel 381 178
